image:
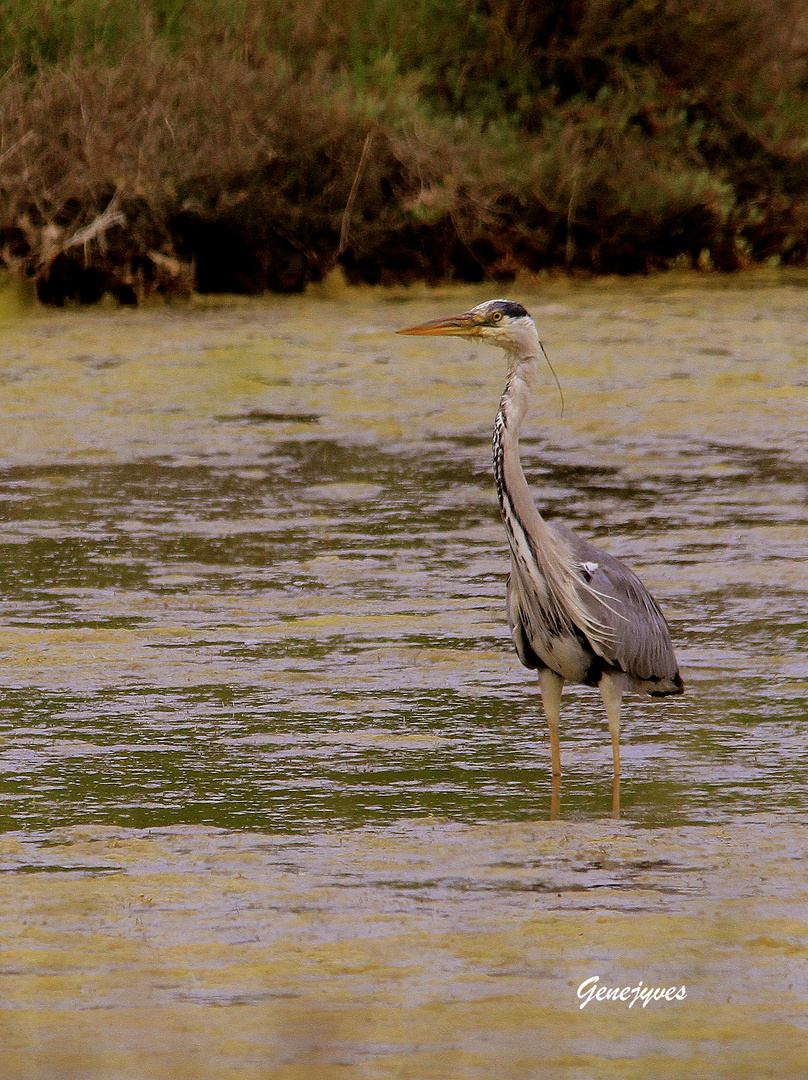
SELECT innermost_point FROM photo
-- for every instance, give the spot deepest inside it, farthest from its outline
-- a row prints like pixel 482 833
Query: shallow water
pixel 252 589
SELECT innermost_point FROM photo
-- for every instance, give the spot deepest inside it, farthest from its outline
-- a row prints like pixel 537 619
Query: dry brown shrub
pixel 157 139
pixel 257 151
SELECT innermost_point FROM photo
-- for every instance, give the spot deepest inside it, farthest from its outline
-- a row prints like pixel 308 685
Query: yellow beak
pixel 456 325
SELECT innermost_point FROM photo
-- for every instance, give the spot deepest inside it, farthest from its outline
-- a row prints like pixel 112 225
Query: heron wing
pixel 637 638
pixel 516 624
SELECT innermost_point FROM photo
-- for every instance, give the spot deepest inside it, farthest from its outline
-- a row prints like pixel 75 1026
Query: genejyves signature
pixel 589 990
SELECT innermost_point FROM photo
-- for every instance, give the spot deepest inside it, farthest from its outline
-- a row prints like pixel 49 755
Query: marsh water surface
pixel 265 745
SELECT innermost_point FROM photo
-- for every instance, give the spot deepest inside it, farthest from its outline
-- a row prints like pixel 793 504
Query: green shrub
pixel 160 144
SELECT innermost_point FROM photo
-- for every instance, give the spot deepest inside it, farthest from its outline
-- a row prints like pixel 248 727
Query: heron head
pixel 498 322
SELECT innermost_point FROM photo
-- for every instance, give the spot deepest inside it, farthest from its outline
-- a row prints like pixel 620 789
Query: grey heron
pixel 576 613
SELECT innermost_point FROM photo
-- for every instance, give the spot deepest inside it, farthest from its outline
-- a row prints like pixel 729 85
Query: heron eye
pixel 496 316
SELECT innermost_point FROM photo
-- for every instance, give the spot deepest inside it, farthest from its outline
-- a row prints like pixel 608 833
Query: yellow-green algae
pixel 253 595
pixel 427 949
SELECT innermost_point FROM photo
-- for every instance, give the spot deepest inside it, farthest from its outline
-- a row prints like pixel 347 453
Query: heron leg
pixel 555 798
pixel 551 685
pixel 616 797
pixel 611 690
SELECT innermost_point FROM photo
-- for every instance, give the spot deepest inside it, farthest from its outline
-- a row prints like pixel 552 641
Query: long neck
pixel 538 553
pixel 542 559
pixel 516 503
pixel 523 360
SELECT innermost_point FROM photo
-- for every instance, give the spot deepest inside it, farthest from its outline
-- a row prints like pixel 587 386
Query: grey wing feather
pixel 524 649
pixel 638 639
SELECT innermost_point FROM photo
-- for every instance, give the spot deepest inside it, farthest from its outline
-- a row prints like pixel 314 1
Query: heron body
pixel 576 613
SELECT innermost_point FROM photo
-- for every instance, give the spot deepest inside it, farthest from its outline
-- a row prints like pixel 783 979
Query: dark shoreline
pixel 142 154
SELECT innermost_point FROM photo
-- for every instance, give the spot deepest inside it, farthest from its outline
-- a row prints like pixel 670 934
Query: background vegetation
pixel 243 145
